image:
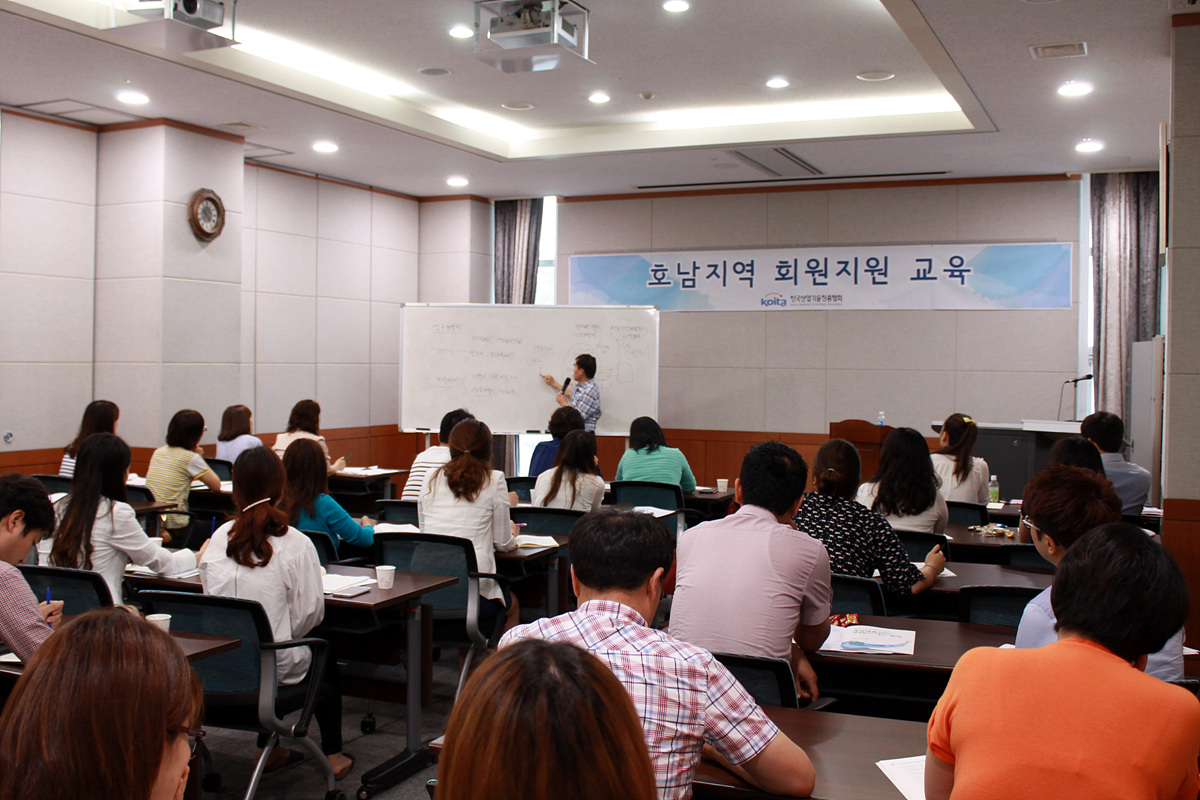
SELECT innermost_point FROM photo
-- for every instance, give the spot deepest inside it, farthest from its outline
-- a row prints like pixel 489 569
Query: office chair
pixel 223 469
pixel 81 590
pixel 855 595
pixel 967 513
pixel 523 486
pixel 994 605
pixel 402 512
pixel 918 544
pixel 55 484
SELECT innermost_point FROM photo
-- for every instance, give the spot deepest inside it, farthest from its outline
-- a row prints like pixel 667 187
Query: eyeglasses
pixel 1028 523
pixel 194 736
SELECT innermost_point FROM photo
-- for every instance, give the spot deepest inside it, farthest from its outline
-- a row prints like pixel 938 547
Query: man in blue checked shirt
pixel 584 395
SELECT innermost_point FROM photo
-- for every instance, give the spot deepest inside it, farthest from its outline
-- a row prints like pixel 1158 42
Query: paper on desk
pixel 364 472
pixel 906 774
pixel 995 506
pixel 655 511
pixel 396 527
pixel 530 540
pixel 869 639
pixel 945 573
pixel 336 583
pixel 9 658
pixel 1188 651
pixel 138 569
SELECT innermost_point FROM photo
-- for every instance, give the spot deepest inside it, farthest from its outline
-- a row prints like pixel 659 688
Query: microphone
pixel 567 383
pixel 1074 381
pixel 1087 377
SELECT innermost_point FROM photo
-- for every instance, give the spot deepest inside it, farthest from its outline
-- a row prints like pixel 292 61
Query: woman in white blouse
pixel 469 499
pixel 573 483
pixel 97 528
pixel 964 477
pixel 258 557
pixel 905 488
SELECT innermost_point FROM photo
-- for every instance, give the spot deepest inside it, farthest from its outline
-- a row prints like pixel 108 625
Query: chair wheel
pixel 363 793
pixel 368 724
pixel 336 794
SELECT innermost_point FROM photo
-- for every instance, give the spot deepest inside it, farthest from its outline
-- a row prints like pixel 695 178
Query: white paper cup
pixel 156 541
pixel 161 620
pixel 386 575
pixel 722 484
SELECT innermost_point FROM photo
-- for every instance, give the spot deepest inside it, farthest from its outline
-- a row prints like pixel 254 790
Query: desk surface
pixel 195 646
pixel 963 535
pixel 407 585
pixel 843 749
pixel 966 574
pixel 529 553
pixel 938 647
pixel 143 507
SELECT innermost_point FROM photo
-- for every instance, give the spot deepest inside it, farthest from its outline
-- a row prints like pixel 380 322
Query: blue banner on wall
pixel 934 276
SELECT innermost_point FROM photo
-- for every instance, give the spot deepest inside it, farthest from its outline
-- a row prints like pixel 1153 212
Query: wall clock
pixel 206 213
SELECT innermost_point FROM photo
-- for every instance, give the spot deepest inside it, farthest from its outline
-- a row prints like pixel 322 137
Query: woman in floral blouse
pixel 858 539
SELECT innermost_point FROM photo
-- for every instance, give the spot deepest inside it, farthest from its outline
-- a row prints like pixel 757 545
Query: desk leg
pixel 552 599
pixel 414 757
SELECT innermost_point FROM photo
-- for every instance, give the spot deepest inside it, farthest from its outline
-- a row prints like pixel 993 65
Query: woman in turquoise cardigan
pixel 649 459
pixel 306 498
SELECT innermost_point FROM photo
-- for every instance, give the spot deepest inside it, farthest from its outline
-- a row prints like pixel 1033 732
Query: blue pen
pixel 48 601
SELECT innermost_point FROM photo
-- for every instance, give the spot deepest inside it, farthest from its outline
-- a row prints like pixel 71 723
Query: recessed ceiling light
pixel 778 83
pixel 875 75
pixel 457 181
pixel 599 97
pixel 133 98
pixel 517 106
pixel 1090 146
pixel 462 32
pixel 675 6
pixel 325 146
pixel 1075 89
pixel 433 72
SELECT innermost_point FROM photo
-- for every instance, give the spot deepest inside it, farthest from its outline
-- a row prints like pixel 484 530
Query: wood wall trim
pixel 391 193
pixel 82 126
pixel 446 198
pixel 1185 20
pixel 163 122
pixel 822 187
pixel 1180 509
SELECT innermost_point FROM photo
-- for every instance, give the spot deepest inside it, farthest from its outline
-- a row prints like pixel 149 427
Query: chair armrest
pixel 350 562
pixel 503 580
pixel 320 652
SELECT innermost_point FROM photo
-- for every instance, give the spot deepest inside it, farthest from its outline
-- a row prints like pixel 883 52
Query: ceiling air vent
pixel 239 127
pixel 1068 50
pixel 777 162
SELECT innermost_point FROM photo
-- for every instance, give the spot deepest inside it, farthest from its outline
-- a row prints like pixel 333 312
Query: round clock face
pixel 206 213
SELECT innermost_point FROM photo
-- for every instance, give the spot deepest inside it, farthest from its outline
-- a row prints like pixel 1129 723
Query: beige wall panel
pixel 918 214
pixel 797 218
pixel 343 213
pixel 711 398
pixel 907 397
pixel 882 340
pixel 722 222
pixel 711 338
pixel 287 203
pixel 795 400
pixel 796 339
pixel 343 270
pixel 43 402
pixel 130 314
pixel 343 331
pixel 286 330
pixel 47 237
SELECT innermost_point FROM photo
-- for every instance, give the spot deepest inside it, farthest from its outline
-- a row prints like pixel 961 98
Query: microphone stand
pixel 1063 388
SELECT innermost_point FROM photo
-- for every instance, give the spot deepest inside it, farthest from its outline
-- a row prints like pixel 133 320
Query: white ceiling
pixel 715 56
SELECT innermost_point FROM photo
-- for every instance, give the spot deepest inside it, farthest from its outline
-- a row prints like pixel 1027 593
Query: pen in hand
pixel 48 622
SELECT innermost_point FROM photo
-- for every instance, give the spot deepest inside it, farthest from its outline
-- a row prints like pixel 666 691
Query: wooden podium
pixel 867 437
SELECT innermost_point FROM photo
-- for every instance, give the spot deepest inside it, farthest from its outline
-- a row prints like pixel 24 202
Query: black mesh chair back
pixel 523 486
pixel 222 468
pixel 768 680
pixel 1191 684
pixel 81 590
pixel 401 512
pixel 431 554
pixel 994 605
pixel 1024 555
pixel 646 493
pixel 235 673
pixel 139 494
pixel 55 484
pixel 326 552
pixel 918 544
pixel 855 595
pixel 967 513
pixel 545 521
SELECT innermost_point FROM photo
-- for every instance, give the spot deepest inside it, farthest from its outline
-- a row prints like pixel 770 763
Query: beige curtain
pixel 1125 260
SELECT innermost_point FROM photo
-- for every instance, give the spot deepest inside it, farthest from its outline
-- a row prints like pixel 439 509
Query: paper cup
pixel 722 484
pixel 156 541
pixel 386 575
pixel 161 620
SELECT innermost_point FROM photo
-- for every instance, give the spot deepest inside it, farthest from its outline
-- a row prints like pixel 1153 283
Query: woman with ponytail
pixel 258 557
pixel 97 528
pixel 964 477
pixel 858 539
pixel 467 498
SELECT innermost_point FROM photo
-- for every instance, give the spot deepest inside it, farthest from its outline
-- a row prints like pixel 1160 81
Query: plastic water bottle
pixel 994 490
pixel 882 419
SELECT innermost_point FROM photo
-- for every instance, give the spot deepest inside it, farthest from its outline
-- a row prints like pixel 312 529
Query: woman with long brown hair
pixel 964 477
pixel 305 423
pixel 905 487
pixel 259 557
pixel 100 416
pixel 98 529
pixel 104 710
pixel 544 721
pixel 467 498
pixel 307 503
pixel 573 483
pixel 237 433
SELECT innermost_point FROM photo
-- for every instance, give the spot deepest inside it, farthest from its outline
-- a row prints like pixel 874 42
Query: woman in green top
pixel 649 459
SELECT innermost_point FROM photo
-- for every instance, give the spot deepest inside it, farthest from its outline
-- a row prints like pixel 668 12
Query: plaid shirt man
pixel 684 696
pixel 586 400
pixel 22 628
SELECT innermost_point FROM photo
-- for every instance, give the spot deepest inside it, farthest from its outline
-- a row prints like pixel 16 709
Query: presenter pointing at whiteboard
pixel 584 396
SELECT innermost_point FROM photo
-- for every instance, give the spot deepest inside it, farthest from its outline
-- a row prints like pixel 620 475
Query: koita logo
pixel 774 299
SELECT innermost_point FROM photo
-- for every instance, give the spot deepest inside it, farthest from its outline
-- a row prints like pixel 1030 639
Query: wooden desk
pixel 712 505
pixel 905 687
pixel 151 509
pixel 195 646
pixel 557 579
pixel 362 484
pixel 843 749
pixel 974 547
pixel 941 599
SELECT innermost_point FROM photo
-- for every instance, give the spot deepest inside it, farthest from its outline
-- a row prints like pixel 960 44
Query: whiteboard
pixel 489 359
